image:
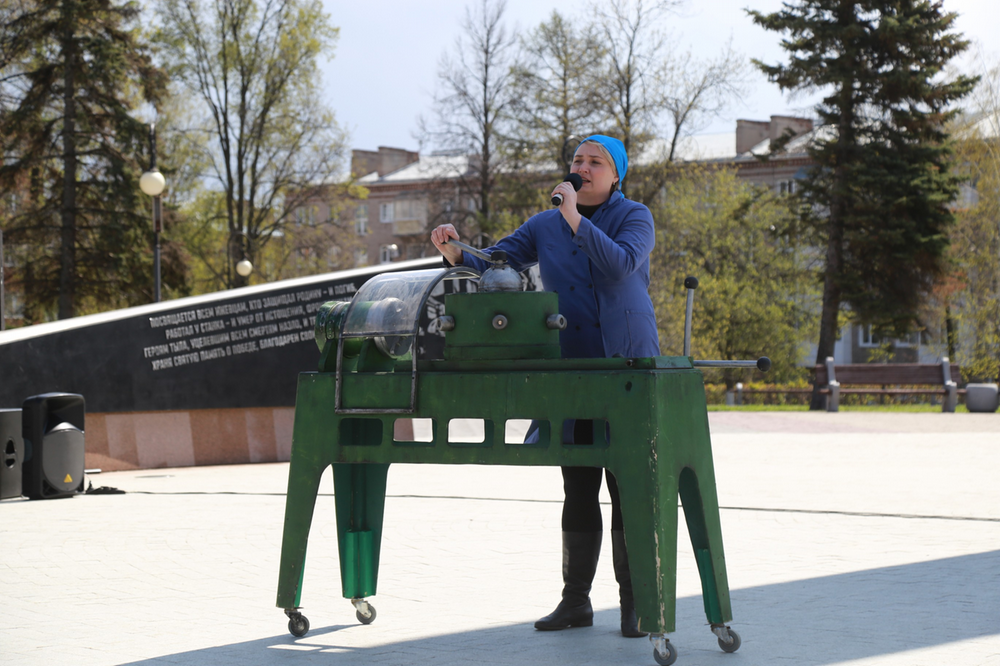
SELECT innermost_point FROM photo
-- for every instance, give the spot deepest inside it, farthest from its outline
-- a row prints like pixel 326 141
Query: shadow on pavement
pixel 812 622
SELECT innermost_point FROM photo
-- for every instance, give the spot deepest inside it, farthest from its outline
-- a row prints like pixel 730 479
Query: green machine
pixel 502 357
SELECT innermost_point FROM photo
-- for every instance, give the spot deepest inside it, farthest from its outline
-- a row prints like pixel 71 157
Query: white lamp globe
pixel 244 268
pixel 152 183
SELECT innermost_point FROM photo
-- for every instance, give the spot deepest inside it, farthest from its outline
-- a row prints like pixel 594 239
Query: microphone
pixel 574 180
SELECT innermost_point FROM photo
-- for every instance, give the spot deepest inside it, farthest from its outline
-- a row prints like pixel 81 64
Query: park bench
pixel 934 378
pixel 872 379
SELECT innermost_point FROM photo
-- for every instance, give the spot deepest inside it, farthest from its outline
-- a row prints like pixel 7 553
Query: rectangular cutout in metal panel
pixel 419 431
pixel 526 431
pixel 467 431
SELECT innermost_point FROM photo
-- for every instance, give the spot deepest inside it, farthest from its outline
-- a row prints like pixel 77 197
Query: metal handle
pixel 763 364
pixel 468 248
pixel 690 283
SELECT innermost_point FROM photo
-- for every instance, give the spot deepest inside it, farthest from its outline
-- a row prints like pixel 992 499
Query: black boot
pixel 630 625
pixel 580 553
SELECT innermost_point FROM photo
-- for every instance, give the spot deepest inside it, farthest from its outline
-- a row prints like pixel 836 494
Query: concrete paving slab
pixel 875 544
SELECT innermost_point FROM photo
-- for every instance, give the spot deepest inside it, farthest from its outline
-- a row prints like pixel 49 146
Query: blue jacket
pixel 601 275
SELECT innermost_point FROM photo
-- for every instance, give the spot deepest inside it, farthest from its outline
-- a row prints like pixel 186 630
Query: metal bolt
pixel 446 323
pixel 556 321
pixel 500 322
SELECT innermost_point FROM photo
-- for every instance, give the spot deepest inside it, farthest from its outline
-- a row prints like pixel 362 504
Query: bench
pixel 936 377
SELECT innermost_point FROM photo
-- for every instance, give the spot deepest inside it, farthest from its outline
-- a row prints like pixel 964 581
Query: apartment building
pixel 410 193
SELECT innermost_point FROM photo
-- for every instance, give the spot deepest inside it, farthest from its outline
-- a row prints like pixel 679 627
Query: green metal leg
pixel 304 477
pixel 651 535
pixel 360 497
pixel 701 511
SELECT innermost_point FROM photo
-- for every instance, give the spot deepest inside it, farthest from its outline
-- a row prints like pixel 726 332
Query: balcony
pixel 409 227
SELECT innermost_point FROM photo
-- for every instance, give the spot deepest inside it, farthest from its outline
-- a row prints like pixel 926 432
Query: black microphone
pixel 574 180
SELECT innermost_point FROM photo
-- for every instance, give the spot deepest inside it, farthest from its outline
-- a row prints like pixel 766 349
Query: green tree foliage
pixel 250 67
pixel 883 181
pixel 743 243
pixel 72 74
pixel 975 239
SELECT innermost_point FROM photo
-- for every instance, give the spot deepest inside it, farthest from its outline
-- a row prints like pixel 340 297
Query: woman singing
pixel 594 252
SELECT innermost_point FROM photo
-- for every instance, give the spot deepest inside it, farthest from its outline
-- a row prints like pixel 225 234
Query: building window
pixel 306 215
pixel 361 220
pixel 385 212
pixel 410 209
pixel 867 337
pixel 786 187
pixel 387 253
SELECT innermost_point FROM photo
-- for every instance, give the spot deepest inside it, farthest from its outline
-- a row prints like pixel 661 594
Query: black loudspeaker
pixel 11 453
pixel 52 427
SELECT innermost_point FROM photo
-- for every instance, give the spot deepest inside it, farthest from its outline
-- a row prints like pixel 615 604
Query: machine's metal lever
pixel 690 283
pixel 469 249
pixel 763 364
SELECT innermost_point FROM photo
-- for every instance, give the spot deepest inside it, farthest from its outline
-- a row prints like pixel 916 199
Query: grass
pixel 843 408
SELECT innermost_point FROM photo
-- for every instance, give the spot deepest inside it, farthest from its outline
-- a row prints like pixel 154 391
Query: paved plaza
pixel 851 538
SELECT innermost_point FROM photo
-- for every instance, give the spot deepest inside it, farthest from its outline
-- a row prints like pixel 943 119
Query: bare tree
pixel 252 63
pixel 472 103
pixel 698 91
pixel 636 66
pixel 652 93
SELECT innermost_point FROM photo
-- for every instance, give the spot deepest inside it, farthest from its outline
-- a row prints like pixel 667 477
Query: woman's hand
pixel 568 206
pixel 440 237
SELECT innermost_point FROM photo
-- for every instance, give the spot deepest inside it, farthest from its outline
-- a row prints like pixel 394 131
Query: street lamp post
pixel 153 183
pixel 243 266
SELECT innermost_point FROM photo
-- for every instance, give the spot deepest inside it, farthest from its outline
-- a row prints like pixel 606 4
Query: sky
pixel 383 72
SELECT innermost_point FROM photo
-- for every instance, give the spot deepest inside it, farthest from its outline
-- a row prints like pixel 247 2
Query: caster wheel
pixel 667 657
pixel 298 625
pixel 366 620
pixel 734 645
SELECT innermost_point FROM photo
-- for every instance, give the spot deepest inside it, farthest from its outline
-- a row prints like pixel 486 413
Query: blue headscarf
pixel 617 150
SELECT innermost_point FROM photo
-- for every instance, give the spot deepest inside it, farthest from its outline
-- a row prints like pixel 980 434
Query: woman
pixel 594 252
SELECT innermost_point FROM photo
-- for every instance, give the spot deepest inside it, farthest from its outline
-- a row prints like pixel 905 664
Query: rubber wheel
pixel 366 620
pixel 732 647
pixel 298 625
pixel 665 659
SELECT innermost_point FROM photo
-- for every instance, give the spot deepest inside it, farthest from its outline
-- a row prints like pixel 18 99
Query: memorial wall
pixel 203 380
pixel 232 349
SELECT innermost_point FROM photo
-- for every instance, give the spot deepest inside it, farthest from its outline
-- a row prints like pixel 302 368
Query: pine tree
pixel 883 179
pixel 554 82
pixel 72 73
